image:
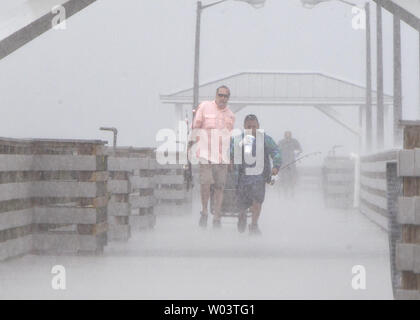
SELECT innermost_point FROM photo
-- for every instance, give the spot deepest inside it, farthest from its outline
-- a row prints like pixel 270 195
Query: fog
pixel 305 252
pixel 109 67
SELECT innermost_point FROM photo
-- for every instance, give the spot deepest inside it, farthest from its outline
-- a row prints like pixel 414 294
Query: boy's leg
pixel 243 203
pixel 258 199
pixel 256 211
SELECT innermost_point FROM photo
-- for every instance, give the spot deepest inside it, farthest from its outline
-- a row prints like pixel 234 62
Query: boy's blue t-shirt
pixel 251 173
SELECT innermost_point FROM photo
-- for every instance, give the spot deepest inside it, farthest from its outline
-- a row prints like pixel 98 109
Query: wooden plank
pixel 142 222
pixel 118 208
pixel 374 216
pixel 138 182
pixel 374 199
pixel 92 229
pixel 406 163
pixel 15 247
pixel 15 162
pixel 72 189
pixel 127 164
pixel 379 184
pixel 10 191
pixel 331 177
pixel 411 187
pixel 408 257
pixel 47 163
pixel 63 215
pixel 373 166
pixel 64 243
pixel 118 186
pixel 336 189
pixel 409 210
pixel 407 294
pixel 158 166
pixel 169 179
pixel 99 176
pixel 389 155
pixel 119 232
pixel 137 201
pixel 13 219
pixel 50 189
pixel 63 163
pixel 100 202
pixel 169 194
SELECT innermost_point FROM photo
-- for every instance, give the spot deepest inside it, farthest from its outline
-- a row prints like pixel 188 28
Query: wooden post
pixel 411 188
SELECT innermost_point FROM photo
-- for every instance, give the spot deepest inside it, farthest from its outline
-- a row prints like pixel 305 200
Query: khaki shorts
pixel 213 174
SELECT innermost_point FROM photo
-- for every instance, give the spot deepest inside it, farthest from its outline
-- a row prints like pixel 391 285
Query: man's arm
pixel 197 124
pixel 199 117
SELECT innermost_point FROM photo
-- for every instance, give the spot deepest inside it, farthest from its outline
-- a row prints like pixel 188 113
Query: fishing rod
pixel 298 159
pixel 274 178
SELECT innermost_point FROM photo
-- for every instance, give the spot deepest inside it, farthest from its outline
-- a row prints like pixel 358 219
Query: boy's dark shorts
pixel 248 193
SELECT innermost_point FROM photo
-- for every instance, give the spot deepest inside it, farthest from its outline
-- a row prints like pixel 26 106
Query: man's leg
pixel 206 179
pixel 219 175
pixel 205 196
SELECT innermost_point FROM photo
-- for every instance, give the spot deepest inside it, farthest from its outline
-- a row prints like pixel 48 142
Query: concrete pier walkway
pixel 305 252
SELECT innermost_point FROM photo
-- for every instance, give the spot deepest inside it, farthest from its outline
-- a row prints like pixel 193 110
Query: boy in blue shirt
pixel 254 175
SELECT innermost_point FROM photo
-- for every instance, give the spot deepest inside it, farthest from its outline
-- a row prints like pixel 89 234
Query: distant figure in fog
pixel 290 150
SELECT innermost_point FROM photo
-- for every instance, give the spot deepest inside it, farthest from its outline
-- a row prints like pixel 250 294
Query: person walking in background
pixel 290 149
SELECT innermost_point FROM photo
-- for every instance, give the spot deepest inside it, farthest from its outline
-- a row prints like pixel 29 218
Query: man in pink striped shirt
pixel 212 125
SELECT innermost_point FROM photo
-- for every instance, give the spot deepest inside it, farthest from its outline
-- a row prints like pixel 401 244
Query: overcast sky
pixel 115 57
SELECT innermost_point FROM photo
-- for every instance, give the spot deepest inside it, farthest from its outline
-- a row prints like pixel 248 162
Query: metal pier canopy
pixel 21 21
pixel 281 89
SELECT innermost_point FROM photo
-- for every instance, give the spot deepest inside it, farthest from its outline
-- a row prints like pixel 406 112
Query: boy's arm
pixel 232 149
pixel 274 152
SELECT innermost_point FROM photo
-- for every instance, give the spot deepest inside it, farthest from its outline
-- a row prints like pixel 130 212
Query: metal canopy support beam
pixel 361 111
pixel 237 108
pixel 328 114
pixel 368 108
pixel 397 82
pixel 380 79
pixel 31 29
pixel 179 108
pixel 405 15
